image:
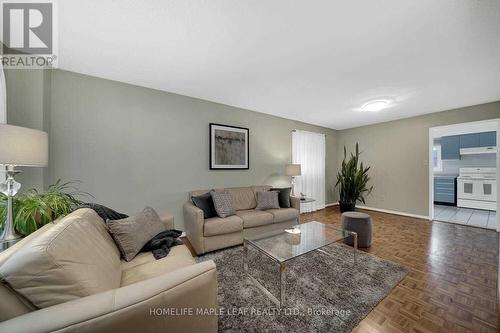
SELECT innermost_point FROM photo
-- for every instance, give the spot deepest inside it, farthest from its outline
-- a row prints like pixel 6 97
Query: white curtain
pixel 308 150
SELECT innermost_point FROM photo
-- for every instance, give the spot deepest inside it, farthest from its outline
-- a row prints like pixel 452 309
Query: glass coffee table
pixel 282 247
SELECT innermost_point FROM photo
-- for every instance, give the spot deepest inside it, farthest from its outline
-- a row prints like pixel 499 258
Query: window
pixel 436 158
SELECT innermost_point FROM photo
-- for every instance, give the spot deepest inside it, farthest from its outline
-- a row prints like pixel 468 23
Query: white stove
pixel 477 188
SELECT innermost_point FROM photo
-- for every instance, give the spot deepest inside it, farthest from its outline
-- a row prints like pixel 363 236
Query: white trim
pixel 332 204
pixel 431 174
pixel 465 128
pixel 498 176
pixel 395 212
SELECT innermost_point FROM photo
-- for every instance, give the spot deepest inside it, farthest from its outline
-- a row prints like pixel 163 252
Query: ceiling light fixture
pixel 375 105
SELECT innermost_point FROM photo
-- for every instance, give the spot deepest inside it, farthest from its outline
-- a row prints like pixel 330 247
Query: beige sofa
pixel 217 233
pixel 68 277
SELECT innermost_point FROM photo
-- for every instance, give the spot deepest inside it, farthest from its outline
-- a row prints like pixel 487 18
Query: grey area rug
pixel 324 292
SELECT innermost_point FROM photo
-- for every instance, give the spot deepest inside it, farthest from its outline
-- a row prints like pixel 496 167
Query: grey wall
pixel 398 153
pixel 27 101
pixel 133 146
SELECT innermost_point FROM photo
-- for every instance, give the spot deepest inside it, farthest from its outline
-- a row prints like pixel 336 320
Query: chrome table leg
pixel 282 284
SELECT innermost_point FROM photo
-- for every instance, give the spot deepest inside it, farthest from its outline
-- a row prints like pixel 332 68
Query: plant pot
pixel 347 207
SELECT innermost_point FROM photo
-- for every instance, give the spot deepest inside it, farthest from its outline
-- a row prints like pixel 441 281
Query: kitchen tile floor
pixel 473 217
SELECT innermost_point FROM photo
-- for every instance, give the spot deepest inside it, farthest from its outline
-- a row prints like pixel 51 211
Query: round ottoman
pixel 361 224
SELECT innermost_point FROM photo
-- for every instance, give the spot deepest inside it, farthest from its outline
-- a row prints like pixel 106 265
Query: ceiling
pixel 313 61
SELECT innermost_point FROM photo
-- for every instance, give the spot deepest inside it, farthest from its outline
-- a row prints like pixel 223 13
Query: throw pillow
pixel 206 204
pixel 104 212
pixel 223 203
pixel 283 196
pixel 132 233
pixel 267 200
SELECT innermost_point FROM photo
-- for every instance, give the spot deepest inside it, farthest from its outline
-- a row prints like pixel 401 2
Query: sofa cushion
pixel 254 218
pixel 4 255
pixel 218 226
pixel 144 266
pixel 284 214
pixel 13 304
pixel 132 233
pixel 243 198
pixel 75 258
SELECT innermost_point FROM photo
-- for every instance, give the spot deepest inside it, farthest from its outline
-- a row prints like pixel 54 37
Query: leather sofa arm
pixel 193 223
pixel 295 203
pixel 171 302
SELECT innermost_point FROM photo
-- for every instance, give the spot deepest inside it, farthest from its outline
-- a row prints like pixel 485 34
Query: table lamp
pixel 19 146
pixel 293 170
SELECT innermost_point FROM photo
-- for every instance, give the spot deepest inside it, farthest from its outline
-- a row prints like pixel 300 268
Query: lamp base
pixel 9 234
pixel 10 188
pixel 4 245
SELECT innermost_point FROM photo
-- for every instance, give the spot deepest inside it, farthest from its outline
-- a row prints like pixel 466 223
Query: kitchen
pixel 464 165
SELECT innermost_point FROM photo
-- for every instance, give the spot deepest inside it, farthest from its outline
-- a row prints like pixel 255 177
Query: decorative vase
pixel 347 207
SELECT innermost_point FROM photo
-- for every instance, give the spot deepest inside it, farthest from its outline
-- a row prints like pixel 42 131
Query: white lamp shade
pixel 23 146
pixel 292 170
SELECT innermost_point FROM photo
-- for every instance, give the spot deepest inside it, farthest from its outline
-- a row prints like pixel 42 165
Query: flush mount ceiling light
pixel 375 105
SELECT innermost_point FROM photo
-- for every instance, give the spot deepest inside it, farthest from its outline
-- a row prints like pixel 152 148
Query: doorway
pixel 463 173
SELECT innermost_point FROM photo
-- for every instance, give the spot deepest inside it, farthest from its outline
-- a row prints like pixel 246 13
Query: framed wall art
pixel 229 147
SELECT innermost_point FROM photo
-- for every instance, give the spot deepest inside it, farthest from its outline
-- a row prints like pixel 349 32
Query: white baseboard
pixel 395 212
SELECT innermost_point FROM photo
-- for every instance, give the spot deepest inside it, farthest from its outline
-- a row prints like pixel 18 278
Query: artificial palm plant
pixel 352 181
pixel 32 209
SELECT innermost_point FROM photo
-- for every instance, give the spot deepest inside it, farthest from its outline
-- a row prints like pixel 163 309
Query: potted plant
pixel 352 181
pixel 32 210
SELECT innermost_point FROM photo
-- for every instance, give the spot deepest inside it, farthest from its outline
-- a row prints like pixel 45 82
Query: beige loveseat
pixel 217 233
pixel 68 277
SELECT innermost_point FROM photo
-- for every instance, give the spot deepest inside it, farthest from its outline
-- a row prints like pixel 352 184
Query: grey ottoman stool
pixel 360 223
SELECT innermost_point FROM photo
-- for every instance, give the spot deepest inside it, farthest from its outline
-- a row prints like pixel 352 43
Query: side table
pixel 304 200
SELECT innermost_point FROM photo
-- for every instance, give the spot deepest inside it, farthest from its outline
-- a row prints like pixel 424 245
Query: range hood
pixel 478 150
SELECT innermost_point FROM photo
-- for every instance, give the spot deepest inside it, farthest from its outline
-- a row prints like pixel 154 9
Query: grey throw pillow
pixel 223 203
pixel 267 200
pixel 132 233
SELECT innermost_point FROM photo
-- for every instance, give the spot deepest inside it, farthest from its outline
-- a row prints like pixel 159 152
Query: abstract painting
pixel 228 147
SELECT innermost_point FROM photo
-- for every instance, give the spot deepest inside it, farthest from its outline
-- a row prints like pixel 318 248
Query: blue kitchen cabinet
pixel 487 139
pixel 469 140
pixel 445 189
pixel 450 147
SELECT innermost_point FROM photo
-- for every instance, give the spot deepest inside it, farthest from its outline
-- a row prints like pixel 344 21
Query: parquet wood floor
pixel 452 283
